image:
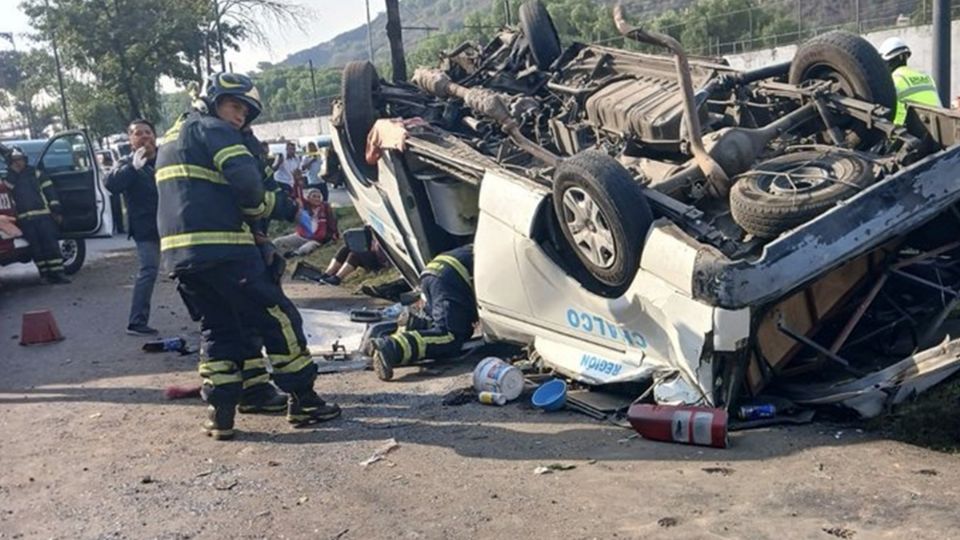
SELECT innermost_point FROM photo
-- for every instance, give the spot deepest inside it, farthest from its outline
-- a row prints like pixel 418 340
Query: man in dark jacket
pixel 210 192
pixel 133 177
pixel 38 214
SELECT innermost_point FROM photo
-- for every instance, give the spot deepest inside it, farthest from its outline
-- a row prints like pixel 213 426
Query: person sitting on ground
pixel 346 261
pixel 316 226
pixel 450 304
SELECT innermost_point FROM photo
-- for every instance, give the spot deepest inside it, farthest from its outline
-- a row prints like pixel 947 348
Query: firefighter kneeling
pixel 211 190
pixel 447 285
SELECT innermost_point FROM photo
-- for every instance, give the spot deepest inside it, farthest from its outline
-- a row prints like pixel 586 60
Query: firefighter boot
pixel 262 399
pixel 219 424
pixel 382 365
pixel 305 408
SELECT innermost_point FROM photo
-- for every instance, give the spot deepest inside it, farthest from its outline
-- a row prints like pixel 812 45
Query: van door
pixel 68 159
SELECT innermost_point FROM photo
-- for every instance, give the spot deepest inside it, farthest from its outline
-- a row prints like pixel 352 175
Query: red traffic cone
pixel 39 327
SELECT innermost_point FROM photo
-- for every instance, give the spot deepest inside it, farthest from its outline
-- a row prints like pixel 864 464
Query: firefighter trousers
pixel 241 311
pixel 452 311
pixel 43 234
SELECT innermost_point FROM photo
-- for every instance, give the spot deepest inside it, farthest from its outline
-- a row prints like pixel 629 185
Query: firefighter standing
pixel 211 190
pixel 912 85
pixel 447 285
pixel 38 214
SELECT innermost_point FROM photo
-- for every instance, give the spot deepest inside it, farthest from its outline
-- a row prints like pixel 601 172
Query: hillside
pixel 448 15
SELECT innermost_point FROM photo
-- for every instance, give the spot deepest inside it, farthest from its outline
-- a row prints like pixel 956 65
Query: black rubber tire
pixel 623 208
pixel 760 210
pixel 862 72
pixel 541 34
pixel 359 89
pixel 73 264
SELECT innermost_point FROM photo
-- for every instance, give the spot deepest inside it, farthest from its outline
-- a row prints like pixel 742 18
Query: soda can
pixel 757 412
pixel 492 398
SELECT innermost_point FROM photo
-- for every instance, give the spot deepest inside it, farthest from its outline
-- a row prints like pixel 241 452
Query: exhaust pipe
pixel 717 179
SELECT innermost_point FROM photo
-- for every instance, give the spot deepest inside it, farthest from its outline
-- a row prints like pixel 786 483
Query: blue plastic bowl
pixel 550 396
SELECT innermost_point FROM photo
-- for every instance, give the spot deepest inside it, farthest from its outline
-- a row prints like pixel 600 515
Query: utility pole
pixel 941 49
pixel 395 35
pixel 313 82
pixel 216 20
pixel 506 12
pixel 56 59
pixel 857 8
pixel 369 35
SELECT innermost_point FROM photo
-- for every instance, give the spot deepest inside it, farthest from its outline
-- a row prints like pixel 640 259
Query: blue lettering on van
pixel 599 365
pixel 598 326
pixel 377 224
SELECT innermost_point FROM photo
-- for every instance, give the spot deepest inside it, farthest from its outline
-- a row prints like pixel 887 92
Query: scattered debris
pixel 381 452
pixel 302 500
pixel 461 396
pixel 628 439
pixel 667 522
pixel 341 534
pixel 181 392
pixel 226 487
pixel 147 480
pixel 96 415
pixel 272 463
pixel 840 532
pixel 723 471
pixel 207 472
pixel 554 467
pixel 927 472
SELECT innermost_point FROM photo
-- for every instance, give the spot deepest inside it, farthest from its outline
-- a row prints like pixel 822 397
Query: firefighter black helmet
pixel 235 85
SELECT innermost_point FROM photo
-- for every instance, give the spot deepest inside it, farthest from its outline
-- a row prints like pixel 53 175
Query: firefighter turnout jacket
pixel 210 189
pixel 915 87
pixel 33 193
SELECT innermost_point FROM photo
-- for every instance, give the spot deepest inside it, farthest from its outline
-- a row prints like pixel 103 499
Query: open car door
pixel 68 159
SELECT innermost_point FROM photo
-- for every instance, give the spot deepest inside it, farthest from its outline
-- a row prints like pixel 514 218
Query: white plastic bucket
pixel 494 375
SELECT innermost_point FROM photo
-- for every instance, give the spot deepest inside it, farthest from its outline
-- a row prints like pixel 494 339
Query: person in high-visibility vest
pixel 912 85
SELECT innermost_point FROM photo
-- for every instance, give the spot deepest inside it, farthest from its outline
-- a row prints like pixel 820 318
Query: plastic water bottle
pixel 757 412
pixel 492 398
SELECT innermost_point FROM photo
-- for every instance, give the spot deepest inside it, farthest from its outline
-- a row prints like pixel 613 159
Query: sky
pixel 328 18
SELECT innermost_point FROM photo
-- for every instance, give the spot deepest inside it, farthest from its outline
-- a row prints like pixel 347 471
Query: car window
pixel 67 154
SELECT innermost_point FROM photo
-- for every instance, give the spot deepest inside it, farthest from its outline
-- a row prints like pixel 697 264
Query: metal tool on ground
pixel 39 327
pixel 701 426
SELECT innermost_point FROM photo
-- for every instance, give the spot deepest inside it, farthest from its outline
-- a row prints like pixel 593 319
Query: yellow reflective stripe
pixel 259 379
pixel 259 210
pixel 404 346
pixel 267 171
pixel 189 172
pixel 205 238
pixel 216 366
pixel 270 202
pixel 438 340
pixel 221 379
pixel 228 152
pixel 421 344
pixel 456 265
pixel 295 366
pixel 254 363
pixel 286 327
pixel 33 213
pixel 46 184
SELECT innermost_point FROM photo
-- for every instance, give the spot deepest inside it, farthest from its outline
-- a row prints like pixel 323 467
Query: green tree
pixel 24 76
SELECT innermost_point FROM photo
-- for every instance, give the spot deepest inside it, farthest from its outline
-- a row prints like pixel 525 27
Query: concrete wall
pixel 919 38
pixel 292 129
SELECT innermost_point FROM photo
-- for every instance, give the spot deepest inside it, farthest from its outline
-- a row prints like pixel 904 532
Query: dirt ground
pixel 90 449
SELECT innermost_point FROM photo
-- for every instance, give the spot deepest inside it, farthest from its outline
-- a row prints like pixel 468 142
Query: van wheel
pixel 604 218
pixel 790 190
pixel 856 69
pixel 359 90
pixel 73 253
pixel 541 34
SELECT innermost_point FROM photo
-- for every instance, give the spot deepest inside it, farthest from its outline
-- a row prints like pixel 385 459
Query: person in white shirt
pixel 283 173
pixel 311 165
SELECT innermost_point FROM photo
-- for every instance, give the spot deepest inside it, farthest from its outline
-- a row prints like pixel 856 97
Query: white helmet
pixel 892 48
